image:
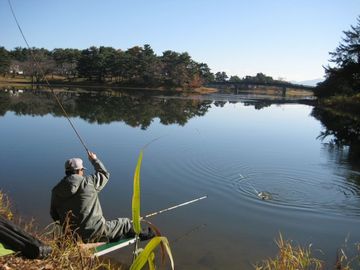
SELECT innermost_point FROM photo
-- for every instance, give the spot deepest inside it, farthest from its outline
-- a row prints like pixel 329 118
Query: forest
pixel 138 66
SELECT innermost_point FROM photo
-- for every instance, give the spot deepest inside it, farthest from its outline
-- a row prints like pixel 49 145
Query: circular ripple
pixel 309 189
pixel 304 189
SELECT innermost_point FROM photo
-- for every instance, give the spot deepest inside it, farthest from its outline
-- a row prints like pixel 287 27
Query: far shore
pixel 56 81
pixel 26 82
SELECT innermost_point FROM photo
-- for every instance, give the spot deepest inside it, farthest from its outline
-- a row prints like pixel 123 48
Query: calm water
pixel 205 145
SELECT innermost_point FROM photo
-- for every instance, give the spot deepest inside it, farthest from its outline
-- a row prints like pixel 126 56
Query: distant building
pixel 15 69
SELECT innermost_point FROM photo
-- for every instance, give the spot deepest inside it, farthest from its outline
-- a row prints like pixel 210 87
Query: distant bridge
pixel 243 85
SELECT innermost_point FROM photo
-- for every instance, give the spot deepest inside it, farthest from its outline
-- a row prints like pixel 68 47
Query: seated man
pixel 76 196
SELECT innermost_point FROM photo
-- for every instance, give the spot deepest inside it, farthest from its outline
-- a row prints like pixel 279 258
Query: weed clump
pixel 5 209
pixel 291 258
pixel 67 251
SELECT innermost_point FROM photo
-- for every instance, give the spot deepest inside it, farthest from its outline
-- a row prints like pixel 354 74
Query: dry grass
pixel 20 81
pixel 344 261
pixel 299 93
pixel 66 251
pixel 205 90
pixel 5 209
pixel 291 258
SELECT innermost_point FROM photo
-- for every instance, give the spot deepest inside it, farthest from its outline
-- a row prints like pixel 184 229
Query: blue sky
pixel 287 39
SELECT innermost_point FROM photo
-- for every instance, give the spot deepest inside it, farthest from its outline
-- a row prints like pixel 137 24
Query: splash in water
pixel 263 195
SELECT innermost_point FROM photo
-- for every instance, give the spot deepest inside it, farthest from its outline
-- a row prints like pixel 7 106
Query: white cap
pixel 74 164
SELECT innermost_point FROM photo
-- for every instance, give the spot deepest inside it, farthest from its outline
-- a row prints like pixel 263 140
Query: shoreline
pixel 78 257
pixel 111 86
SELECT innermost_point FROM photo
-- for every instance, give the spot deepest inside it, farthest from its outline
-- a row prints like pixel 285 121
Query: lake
pixel 229 147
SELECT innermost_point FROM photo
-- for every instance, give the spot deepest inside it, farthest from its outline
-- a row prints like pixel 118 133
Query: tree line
pixel 259 78
pixel 343 78
pixel 137 66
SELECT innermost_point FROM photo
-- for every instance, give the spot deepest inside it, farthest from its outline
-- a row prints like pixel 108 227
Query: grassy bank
pixel 68 254
pixel 66 251
pixel 342 104
pixel 58 81
pixel 291 257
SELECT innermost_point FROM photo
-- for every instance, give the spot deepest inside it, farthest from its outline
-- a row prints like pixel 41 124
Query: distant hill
pixel 309 82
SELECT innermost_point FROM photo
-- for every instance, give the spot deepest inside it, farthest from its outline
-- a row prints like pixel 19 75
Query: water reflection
pixel 139 109
pixel 135 110
pixel 343 132
pixel 224 148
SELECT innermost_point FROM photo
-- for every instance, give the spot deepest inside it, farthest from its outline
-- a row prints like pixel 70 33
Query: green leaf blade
pixel 144 256
pixel 136 196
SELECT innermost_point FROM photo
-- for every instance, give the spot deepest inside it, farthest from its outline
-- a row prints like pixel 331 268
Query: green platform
pixel 109 247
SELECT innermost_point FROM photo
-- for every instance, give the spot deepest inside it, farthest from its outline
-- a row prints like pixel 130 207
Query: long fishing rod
pixel 46 80
pixel 173 207
pixel 136 239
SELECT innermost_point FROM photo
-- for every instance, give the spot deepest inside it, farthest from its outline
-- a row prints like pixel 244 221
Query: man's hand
pixel 147 235
pixel 92 156
pixel 144 235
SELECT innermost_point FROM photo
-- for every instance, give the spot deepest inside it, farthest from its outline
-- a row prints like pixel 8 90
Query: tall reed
pixel 291 258
pixel 5 206
pixel 147 254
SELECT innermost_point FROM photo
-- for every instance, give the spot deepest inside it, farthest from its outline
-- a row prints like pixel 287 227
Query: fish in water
pixel 264 195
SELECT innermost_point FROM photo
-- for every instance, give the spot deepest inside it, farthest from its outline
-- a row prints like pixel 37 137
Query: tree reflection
pixel 140 109
pixel 136 110
pixel 343 131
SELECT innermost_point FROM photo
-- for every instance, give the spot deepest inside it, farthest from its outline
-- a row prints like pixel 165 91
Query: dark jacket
pixel 79 194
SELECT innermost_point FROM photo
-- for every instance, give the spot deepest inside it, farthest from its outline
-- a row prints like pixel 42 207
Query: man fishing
pixel 76 197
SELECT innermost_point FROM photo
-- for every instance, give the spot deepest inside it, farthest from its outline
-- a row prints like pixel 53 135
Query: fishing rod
pixel 173 207
pixel 136 239
pixel 46 80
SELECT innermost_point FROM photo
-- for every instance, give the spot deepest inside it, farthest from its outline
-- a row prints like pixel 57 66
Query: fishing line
pixel 257 192
pixel 189 232
pixel 153 140
pixel 44 77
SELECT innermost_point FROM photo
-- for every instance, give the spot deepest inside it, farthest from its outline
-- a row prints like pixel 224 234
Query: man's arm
pixel 101 177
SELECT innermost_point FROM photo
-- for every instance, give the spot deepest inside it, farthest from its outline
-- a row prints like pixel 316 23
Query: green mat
pixel 4 251
pixel 109 247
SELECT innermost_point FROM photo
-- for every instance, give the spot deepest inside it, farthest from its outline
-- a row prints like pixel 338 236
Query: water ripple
pixel 306 189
